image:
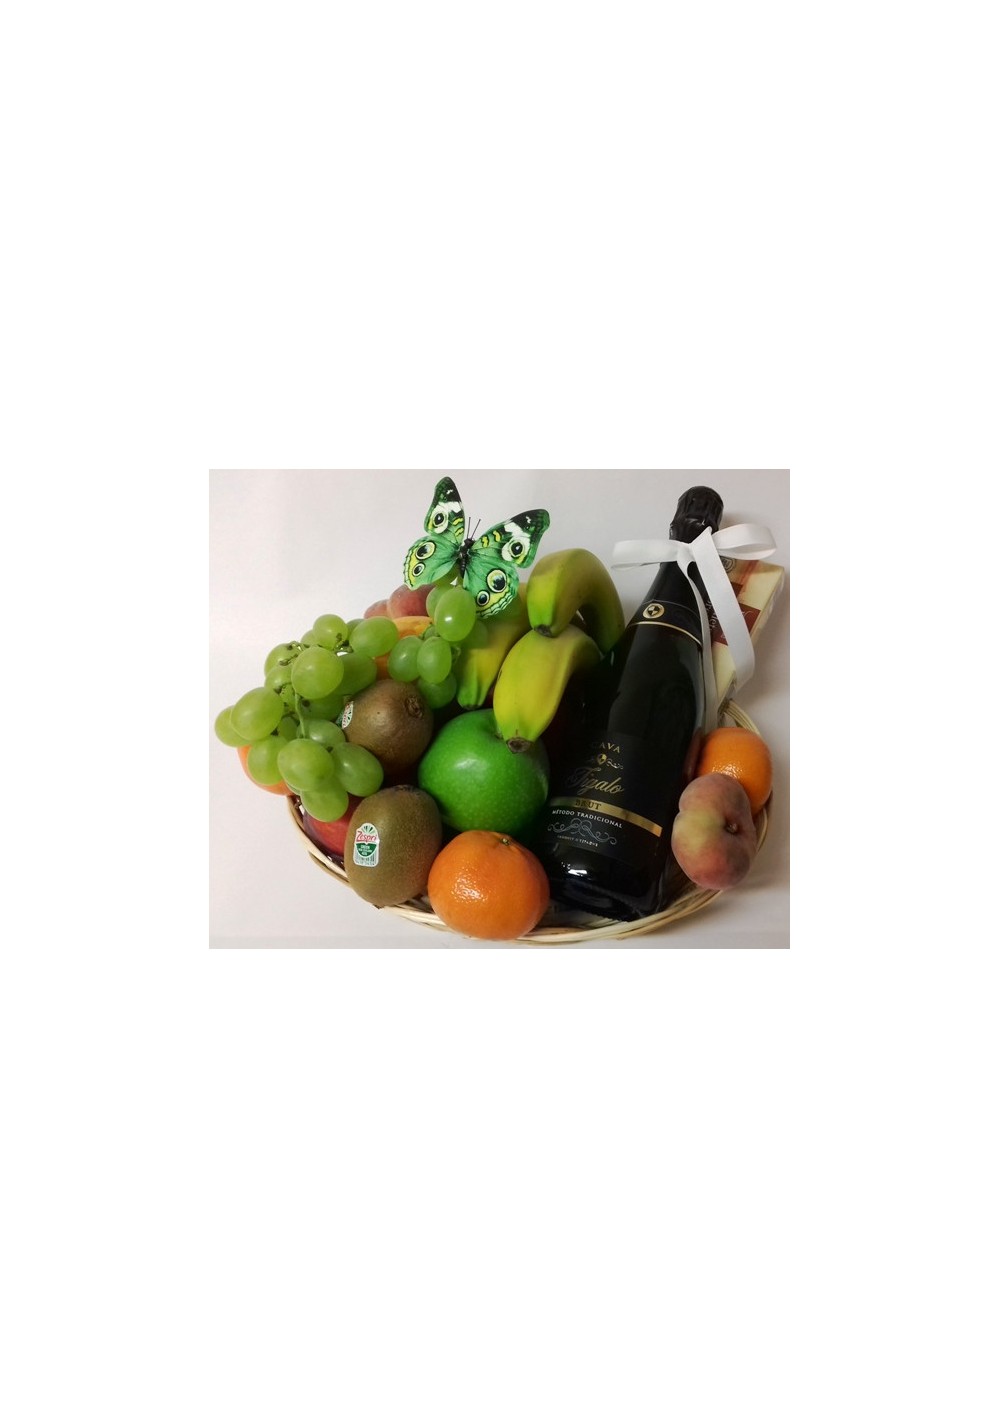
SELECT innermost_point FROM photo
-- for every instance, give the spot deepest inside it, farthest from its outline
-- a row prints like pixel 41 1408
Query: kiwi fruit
pixel 393 721
pixel 393 837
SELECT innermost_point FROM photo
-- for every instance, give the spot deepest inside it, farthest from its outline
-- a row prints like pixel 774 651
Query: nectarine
pixel 713 838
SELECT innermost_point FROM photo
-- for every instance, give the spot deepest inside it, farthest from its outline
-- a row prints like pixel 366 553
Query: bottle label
pixel 594 829
pixel 594 807
pixel 589 806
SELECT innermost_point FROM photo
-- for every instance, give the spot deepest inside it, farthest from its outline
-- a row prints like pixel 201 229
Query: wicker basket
pixel 558 927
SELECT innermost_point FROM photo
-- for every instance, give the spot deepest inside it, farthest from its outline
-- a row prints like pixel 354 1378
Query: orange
pixel 412 625
pixel 488 885
pixel 744 756
pixel 406 626
pixel 243 751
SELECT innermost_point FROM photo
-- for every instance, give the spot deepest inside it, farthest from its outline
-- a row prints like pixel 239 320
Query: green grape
pixel 262 760
pixel 326 805
pixel 439 694
pixel 288 728
pixel 288 650
pixel 433 597
pixel 256 714
pixel 316 672
pixel 402 662
pixel 352 623
pixel 326 707
pixel 224 729
pixel 324 731
pixel 309 637
pixel 455 613
pixel 477 637
pixel 376 635
pixel 330 631
pixel 278 676
pixel 305 765
pixel 357 768
pixel 360 671
pixel 434 660
pixel 288 696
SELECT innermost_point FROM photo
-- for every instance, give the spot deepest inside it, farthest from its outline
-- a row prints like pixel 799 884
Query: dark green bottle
pixel 632 735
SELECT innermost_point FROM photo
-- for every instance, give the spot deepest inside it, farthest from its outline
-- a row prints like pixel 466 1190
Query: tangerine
pixel 243 751
pixel 744 756
pixel 488 885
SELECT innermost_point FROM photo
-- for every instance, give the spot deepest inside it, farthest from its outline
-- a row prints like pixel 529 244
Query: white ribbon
pixel 746 541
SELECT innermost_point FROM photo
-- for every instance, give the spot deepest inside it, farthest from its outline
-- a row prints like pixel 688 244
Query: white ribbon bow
pixel 746 541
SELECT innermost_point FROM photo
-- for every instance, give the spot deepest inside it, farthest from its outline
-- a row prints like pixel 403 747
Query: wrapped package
pixel 757 586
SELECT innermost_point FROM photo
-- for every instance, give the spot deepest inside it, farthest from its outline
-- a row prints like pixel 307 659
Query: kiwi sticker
pixel 348 714
pixel 366 845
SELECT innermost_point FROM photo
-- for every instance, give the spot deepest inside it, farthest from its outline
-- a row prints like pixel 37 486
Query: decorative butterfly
pixel 488 565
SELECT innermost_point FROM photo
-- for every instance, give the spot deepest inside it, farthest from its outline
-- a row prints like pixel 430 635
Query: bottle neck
pixel 672 599
pixel 671 583
pixel 687 529
pixel 697 509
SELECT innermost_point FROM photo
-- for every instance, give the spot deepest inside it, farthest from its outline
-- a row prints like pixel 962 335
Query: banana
pixel 575 580
pixel 477 667
pixel 533 678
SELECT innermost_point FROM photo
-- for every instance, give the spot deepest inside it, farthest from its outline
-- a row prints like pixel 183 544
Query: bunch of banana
pixel 533 679
pixel 576 615
pixel 477 666
pixel 575 583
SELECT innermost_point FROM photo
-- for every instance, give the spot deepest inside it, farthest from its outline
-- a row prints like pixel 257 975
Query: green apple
pixel 477 782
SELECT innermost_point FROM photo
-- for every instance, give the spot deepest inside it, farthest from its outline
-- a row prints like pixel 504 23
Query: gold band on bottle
pixel 667 626
pixel 595 805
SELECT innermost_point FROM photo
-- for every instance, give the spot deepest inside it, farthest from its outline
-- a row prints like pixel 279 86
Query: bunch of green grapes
pixel 427 660
pixel 291 722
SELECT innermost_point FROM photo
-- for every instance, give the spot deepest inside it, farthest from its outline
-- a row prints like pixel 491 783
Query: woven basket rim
pixel 550 932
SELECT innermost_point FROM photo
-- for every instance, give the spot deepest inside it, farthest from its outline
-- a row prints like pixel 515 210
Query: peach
pixel 377 608
pixel 713 837
pixel 404 601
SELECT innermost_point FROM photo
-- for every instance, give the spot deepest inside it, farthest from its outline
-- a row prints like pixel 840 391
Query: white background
pixel 493 1183
pixel 288 545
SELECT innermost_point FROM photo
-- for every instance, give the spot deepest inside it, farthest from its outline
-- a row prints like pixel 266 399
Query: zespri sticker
pixel 366 845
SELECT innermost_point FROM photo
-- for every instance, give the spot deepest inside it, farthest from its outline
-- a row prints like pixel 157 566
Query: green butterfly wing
pixel 494 560
pixel 489 564
pixel 436 553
